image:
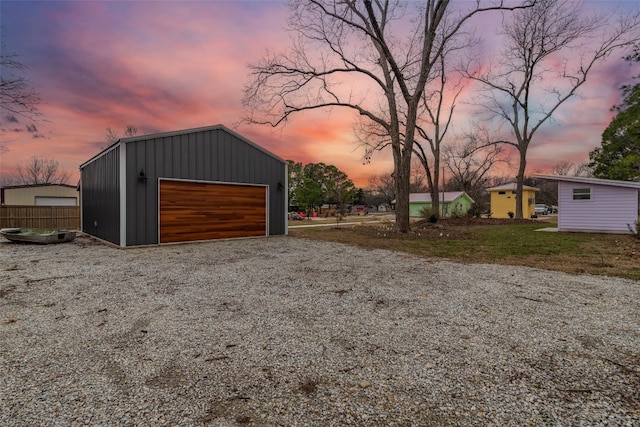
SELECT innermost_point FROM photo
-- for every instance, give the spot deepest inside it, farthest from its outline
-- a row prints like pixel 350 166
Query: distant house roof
pixel 511 187
pixel 449 196
pixel 37 185
pixel 594 181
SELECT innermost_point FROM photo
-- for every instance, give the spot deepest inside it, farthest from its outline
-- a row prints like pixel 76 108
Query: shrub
pixel 429 214
pixel 511 214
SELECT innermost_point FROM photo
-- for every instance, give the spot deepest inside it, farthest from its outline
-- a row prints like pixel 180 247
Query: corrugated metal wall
pixel 100 197
pixel 204 155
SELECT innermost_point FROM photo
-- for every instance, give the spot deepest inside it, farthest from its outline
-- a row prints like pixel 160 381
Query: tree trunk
pixel 435 189
pixel 520 179
pixel 402 197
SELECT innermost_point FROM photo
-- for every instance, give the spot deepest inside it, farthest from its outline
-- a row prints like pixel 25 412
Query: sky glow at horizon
pixel 166 66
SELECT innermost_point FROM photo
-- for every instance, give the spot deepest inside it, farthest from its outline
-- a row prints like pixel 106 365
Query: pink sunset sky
pixel 171 65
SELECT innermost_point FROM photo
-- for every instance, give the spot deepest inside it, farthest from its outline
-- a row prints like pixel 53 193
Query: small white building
pixel 596 205
pixel 39 195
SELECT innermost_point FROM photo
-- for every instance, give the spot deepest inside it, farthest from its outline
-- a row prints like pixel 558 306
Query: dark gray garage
pixel 189 185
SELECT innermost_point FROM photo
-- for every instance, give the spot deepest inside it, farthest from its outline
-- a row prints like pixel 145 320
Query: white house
pixel 596 205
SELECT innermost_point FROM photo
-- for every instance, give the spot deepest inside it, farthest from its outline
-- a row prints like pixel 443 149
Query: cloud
pixel 32 128
pixel 164 66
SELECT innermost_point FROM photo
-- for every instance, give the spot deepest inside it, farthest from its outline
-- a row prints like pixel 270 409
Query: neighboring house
pixel 503 200
pixel 596 205
pixel 39 195
pixel 195 184
pixel 452 203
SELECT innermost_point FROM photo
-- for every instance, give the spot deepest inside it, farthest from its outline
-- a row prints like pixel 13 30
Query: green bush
pixel 429 215
pixel 511 214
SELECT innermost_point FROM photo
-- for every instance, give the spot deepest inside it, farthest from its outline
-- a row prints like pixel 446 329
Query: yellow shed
pixel 503 200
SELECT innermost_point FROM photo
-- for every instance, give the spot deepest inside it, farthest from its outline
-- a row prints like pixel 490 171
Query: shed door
pixel 203 211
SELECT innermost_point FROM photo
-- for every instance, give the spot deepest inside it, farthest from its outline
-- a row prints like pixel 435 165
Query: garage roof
pixel 181 132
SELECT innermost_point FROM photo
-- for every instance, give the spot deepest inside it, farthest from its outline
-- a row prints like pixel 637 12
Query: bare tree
pixel 435 116
pixel 572 169
pixel 468 166
pixel 419 178
pixel 342 45
pixel 113 137
pixel 16 95
pixel 383 188
pixel 549 52
pixel 41 171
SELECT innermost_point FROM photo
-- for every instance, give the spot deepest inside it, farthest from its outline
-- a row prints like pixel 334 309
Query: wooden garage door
pixel 203 211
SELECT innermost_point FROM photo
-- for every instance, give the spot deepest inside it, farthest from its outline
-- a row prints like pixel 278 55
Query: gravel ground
pixel 292 332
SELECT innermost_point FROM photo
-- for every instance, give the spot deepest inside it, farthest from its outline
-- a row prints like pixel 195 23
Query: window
pixel 582 194
pixel 502 192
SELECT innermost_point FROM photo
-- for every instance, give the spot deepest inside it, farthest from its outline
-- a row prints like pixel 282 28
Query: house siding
pixel 459 206
pixel 502 204
pixel 415 208
pixel 609 210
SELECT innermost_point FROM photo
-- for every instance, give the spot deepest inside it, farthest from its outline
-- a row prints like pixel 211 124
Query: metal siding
pixel 226 173
pixel 219 157
pixel 210 155
pixel 142 194
pixel 199 166
pixel 100 198
pixel 193 156
pixel 151 196
pixel 241 158
pixel 135 156
pixel 609 210
pixel 183 147
pixel 167 154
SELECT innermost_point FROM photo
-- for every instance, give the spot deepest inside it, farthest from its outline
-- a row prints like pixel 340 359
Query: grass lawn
pixel 496 241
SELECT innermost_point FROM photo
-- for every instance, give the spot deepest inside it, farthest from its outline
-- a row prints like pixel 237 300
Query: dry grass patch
pixel 512 242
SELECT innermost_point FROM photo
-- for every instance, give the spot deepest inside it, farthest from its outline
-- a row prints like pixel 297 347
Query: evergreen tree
pixel 619 155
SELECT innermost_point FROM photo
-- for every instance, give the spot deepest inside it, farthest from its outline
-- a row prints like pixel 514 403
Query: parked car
pixel 542 209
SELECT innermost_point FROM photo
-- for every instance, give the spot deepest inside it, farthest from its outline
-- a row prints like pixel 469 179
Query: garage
pixel 183 186
pixel 191 211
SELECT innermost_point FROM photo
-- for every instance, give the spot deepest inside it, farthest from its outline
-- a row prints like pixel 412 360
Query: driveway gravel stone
pixel 284 331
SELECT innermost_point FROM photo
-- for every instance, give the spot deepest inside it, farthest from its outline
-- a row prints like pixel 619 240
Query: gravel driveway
pixel 287 331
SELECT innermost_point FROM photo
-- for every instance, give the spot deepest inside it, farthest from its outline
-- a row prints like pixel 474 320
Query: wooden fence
pixel 56 217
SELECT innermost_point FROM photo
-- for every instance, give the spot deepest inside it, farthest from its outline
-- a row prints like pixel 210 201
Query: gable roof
pixel 137 138
pixel 511 186
pixel 449 196
pixel 38 185
pixel 594 181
